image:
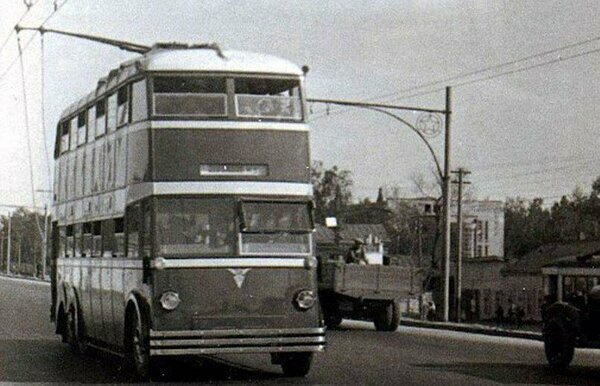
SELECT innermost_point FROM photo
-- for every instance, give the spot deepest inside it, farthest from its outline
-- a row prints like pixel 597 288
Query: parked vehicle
pixel 571 310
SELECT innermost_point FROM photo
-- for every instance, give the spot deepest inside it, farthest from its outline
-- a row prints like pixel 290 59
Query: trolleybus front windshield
pixel 200 96
pixel 192 227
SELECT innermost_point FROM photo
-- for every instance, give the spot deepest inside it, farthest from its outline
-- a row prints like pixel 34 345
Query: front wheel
pixel 559 345
pixel 139 347
pixel 387 318
pixel 296 364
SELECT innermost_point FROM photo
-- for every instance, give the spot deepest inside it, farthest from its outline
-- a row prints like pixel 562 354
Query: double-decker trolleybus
pixel 182 216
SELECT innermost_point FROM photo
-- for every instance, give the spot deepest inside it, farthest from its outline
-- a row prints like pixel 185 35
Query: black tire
pixel 296 364
pixel 138 357
pixel 138 347
pixel 559 345
pixel 74 334
pixel 387 318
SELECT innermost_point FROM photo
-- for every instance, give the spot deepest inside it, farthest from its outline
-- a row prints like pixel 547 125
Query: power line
pixel 12 31
pixel 26 45
pixel 483 70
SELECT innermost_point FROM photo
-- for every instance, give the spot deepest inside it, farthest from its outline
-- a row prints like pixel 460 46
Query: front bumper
pixel 192 342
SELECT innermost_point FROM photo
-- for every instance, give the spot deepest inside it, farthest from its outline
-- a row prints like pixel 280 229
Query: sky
pixel 525 129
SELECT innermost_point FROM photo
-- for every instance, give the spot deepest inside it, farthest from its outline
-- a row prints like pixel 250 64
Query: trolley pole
pixel 458 295
pixel 446 200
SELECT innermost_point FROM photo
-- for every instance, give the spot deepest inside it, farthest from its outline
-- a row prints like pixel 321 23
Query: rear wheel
pixel 559 345
pixel 387 318
pixel 74 331
pixel 296 364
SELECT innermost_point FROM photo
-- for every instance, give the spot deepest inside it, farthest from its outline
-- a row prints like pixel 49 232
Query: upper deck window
pixel 122 106
pixel 64 136
pixel 189 96
pixel 111 122
pixel 81 128
pixel 268 98
pixel 100 118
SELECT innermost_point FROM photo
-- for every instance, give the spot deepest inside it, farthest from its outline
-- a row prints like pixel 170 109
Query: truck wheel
pixel 296 364
pixel 387 318
pixel 559 345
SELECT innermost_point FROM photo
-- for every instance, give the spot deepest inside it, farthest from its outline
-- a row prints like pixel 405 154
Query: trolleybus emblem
pixel 239 275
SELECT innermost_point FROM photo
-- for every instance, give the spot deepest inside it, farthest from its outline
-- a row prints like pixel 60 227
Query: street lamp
pixel 445 175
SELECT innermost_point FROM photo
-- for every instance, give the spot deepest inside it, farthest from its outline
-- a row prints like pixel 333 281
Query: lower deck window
pixel 191 227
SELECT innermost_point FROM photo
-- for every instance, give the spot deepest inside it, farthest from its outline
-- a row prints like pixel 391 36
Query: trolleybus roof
pixel 181 58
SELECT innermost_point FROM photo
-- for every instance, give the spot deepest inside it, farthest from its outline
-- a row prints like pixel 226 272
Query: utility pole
pixel 446 201
pixel 8 242
pixel 458 282
pixel 45 241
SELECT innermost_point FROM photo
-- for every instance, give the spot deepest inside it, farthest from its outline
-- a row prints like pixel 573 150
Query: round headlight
pixel 305 299
pixel 169 300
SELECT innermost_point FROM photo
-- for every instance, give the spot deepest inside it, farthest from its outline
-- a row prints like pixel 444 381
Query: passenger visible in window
pixel 357 254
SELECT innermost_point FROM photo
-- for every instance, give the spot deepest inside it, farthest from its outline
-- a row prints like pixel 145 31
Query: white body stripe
pixel 217 125
pixel 162 263
pixel 139 191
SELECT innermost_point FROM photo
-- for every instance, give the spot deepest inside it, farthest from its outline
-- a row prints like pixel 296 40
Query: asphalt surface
pixel 30 352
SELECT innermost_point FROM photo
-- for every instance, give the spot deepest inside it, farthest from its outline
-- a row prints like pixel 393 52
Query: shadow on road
pixel 47 361
pixel 522 373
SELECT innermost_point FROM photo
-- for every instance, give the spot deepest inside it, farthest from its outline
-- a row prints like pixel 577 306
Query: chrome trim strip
pixel 237 350
pixel 162 263
pixel 143 190
pixel 239 125
pixel 241 332
pixel 100 262
pixel 236 341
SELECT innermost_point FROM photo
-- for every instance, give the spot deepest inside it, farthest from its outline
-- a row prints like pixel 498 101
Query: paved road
pixel 30 352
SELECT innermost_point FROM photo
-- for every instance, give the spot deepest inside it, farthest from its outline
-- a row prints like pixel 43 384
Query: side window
pixel 62 242
pixel 133 217
pixel 108 238
pixel 73 134
pixel 82 128
pixel 112 113
pixel 96 239
pixel 119 250
pixel 100 118
pixel 122 106
pixel 77 236
pixel 139 101
pixel 64 137
pixel 86 250
pixel 91 124
pixel 69 244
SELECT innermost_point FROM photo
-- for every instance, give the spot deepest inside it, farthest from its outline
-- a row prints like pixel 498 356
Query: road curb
pixel 473 328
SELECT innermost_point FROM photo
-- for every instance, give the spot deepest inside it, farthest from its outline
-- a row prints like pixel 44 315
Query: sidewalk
pixel 474 328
